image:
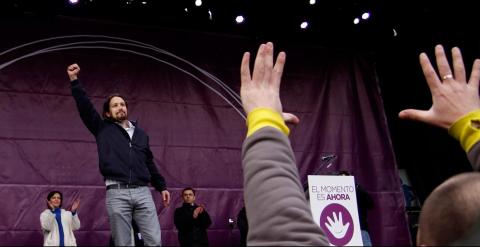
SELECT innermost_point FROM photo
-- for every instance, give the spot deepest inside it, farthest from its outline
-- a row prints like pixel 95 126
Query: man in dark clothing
pixel 242 224
pixel 126 163
pixel 192 221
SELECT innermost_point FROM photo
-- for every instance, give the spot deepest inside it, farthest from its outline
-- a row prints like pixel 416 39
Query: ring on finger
pixel 448 76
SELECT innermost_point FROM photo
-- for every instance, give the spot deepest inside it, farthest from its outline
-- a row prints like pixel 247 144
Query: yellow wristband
pixel 263 117
pixel 466 130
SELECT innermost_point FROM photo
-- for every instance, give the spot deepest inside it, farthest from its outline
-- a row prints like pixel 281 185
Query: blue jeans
pixel 122 205
pixel 366 238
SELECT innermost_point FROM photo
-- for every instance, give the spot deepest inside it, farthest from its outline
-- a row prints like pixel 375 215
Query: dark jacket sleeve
pixel 157 180
pixel 278 212
pixel 184 221
pixel 88 114
pixel 204 220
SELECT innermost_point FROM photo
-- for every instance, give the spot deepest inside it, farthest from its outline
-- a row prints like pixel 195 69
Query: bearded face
pixel 117 109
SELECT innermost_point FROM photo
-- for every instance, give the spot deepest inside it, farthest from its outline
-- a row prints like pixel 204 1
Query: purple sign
pixel 337 223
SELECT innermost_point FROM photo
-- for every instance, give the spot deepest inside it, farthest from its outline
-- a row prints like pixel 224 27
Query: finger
pixel 335 217
pixel 72 67
pixel 290 118
pixel 429 72
pixel 329 220
pixel 245 69
pixel 442 62
pixel 268 62
pixel 340 217
pixel 168 198
pixel 413 114
pixel 278 69
pixel 329 227
pixel 259 66
pixel 475 75
pixel 458 66
pixel 346 226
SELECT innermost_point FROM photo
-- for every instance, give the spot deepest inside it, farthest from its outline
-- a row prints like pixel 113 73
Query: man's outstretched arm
pixel 88 113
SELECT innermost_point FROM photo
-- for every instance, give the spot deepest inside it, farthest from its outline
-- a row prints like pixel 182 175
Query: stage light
pixel 356 21
pixel 365 15
pixel 144 2
pixel 210 15
pixel 239 19
pixel 312 2
pixel 73 1
pixel 198 3
pixel 304 25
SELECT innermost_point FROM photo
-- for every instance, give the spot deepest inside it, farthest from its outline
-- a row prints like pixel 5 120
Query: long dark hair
pixel 50 195
pixel 106 104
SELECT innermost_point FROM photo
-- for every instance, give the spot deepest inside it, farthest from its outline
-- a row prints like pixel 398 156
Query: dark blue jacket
pixel 121 159
pixel 191 232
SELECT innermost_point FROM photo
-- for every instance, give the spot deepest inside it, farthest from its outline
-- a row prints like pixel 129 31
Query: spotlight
pixel 365 15
pixel 304 25
pixel 312 2
pixel 210 15
pixel 198 3
pixel 356 21
pixel 73 1
pixel 239 19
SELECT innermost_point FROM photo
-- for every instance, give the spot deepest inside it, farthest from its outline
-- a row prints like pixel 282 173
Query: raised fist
pixel 73 71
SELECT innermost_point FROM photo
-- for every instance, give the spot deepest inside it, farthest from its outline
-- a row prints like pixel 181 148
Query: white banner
pixel 333 202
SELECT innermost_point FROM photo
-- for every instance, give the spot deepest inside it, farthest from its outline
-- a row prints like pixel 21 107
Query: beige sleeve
pixel 277 210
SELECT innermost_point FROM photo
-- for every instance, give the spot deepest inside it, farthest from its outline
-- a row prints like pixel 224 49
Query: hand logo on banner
pixel 339 230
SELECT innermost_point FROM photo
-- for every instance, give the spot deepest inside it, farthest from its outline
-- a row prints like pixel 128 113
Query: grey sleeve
pixel 277 210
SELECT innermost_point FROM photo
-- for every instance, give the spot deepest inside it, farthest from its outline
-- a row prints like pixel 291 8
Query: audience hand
pixel 262 88
pixel 452 96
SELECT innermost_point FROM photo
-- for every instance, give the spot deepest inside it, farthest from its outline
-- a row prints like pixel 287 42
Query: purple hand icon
pixel 337 223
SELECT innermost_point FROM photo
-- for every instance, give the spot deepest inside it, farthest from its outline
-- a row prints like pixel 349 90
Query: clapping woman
pixel 58 224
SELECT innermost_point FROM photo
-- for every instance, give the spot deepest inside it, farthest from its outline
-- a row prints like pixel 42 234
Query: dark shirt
pixel 191 231
pixel 365 203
